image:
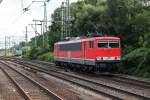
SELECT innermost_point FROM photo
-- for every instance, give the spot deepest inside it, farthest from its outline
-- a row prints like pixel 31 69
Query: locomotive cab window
pixel 113 44
pixel 102 44
pixel 91 44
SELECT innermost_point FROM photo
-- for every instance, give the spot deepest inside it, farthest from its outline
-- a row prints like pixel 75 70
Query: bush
pixel 135 57
pixel 137 62
pixel 46 57
pixel 35 52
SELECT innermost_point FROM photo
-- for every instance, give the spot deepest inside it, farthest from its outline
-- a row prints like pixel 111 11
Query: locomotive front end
pixel 108 53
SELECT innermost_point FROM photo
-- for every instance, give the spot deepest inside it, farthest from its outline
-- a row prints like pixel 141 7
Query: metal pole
pixel 42 30
pixel 45 24
pixel 26 38
pixel 42 33
pixel 5 46
pixel 62 21
pixel 65 21
pixel 44 18
pixel 9 46
pixel 68 4
pixel 35 35
pixel 26 35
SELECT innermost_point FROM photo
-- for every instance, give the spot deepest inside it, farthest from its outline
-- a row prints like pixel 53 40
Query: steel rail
pixel 145 84
pixel 120 90
pixel 50 93
pixel 78 84
pixel 17 85
pixel 22 62
pixel 141 83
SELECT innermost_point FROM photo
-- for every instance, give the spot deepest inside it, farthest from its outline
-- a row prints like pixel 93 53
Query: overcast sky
pixel 13 20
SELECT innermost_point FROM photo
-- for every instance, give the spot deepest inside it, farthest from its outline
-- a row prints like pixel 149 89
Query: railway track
pixel 30 89
pixel 100 88
pixel 8 90
pixel 133 81
pixel 116 77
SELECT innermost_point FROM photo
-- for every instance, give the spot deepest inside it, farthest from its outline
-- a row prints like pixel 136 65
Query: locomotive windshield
pixel 102 44
pixel 113 44
pixel 108 44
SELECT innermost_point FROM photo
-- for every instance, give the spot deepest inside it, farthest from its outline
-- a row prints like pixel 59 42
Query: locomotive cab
pixel 108 53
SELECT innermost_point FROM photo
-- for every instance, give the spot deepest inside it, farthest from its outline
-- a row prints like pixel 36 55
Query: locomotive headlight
pixel 97 58
pixel 108 58
pixel 118 58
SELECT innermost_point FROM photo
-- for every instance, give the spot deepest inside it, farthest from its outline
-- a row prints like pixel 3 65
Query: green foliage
pixel 135 57
pixel 56 21
pixel 127 19
pixel 89 19
pixel 53 38
pixel 26 51
pixel 35 52
pixel 127 49
pixel 93 2
pixel 146 40
pixel 137 62
pixel 46 57
pixel 22 44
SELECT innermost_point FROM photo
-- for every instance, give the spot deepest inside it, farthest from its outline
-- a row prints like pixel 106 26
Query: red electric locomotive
pixel 92 54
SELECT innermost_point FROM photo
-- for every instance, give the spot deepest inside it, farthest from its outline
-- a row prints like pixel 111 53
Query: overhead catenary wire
pixel 25 9
pixel 22 12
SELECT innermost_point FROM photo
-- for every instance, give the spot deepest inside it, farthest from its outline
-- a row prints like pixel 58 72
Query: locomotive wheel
pixel 84 68
pixel 97 68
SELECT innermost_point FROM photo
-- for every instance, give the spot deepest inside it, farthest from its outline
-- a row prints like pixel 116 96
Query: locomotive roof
pixel 87 39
